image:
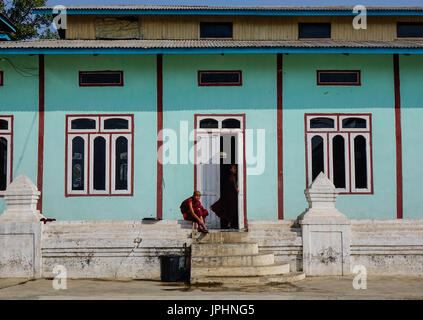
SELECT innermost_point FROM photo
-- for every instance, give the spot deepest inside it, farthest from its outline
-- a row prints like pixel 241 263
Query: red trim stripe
pixel 41 108
pixel 159 200
pixel 280 135
pixel 398 137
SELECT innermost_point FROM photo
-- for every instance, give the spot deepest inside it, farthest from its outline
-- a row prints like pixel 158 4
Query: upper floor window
pixel 338 77
pixel 219 122
pixel 231 123
pixel 1 78
pixel 100 78
pixel 340 146
pixel 314 30
pixel 410 30
pixel 216 30
pixel 209 123
pixel 6 147
pixel 220 78
pixel 99 155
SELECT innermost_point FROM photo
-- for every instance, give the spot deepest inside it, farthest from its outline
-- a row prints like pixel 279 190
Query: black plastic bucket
pixel 172 268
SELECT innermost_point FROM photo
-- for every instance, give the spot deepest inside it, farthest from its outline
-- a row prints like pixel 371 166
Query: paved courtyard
pixel 378 287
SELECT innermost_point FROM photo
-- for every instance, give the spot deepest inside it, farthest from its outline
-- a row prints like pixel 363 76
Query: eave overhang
pixel 7 23
pixel 230 10
pixel 208 47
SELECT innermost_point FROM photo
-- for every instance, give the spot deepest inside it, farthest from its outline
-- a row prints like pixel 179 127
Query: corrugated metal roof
pixel 181 44
pixel 253 8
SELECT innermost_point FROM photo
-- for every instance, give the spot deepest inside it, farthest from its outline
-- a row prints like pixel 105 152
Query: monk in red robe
pixel 226 207
pixel 192 210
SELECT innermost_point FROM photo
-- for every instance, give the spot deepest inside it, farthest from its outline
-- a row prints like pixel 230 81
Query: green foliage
pixel 49 34
pixel 29 26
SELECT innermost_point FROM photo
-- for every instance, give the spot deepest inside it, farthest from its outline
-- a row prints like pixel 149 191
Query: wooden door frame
pixel 244 176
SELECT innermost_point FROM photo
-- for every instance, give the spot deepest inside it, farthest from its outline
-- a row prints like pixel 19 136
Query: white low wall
pixel 384 247
pixel 388 247
pixel 112 249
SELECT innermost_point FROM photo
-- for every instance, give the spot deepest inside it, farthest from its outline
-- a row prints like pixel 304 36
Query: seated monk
pixel 192 210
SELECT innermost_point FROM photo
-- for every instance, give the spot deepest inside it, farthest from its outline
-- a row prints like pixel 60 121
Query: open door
pixel 219 143
pixel 208 174
pixel 241 177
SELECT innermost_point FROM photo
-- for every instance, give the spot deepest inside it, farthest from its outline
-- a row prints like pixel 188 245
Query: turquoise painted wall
pixel 64 96
pixel 411 81
pixel 183 98
pixel 256 98
pixel 19 97
pixel 375 96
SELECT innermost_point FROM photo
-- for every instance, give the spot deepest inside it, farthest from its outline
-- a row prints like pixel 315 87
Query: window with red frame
pixel 100 78
pixel 340 146
pixel 338 77
pixel 219 78
pixel 6 147
pixel 99 155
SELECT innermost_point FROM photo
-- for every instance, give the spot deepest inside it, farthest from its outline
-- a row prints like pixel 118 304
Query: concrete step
pixel 261 259
pixel 257 281
pixel 245 271
pixel 229 236
pixel 223 249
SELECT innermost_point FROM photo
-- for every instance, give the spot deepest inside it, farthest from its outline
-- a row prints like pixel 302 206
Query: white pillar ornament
pixel 325 231
pixel 321 197
pixel 21 198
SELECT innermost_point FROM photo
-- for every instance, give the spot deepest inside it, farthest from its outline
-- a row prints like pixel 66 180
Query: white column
pixel 20 231
pixel 21 198
pixel 325 231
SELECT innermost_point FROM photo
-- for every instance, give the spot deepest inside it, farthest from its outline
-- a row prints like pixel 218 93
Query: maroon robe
pixel 196 205
pixel 227 206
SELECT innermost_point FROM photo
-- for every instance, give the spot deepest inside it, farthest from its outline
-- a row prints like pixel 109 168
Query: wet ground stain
pixel 277 287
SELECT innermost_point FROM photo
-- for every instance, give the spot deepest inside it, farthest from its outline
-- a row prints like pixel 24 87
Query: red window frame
pixel 345 131
pixel 120 72
pixel 220 84
pixel 90 132
pixel 1 78
pixel 358 83
pixel 9 133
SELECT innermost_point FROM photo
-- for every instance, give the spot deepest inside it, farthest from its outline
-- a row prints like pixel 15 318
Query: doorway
pixel 220 168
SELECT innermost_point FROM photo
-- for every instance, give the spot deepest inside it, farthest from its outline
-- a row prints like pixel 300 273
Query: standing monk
pixel 192 210
pixel 226 207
